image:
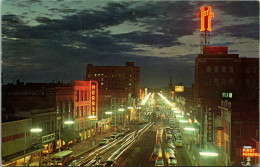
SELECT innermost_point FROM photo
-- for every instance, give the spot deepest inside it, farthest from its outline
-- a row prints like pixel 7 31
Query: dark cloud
pixel 61 48
pixel 240 31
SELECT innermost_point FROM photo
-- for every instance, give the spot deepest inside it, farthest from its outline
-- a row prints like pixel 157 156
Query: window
pixel 81 95
pixel 208 69
pixel 216 69
pixel 77 95
pixel 81 110
pixel 208 81
pixel 224 81
pixel 223 69
pixel 247 70
pixel 231 69
pixel 230 81
pixel 77 113
pixel 215 81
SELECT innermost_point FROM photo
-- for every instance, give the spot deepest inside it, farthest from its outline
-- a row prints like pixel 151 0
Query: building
pixel 126 78
pixel 49 105
pixel 17 148
pixel 117 84
pixel 219 77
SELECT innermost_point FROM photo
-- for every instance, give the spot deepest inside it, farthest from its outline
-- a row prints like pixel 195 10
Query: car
pixel 157 150
pixel 103 142
pixel 110 162
pixel 172 162
pixel 178 143
pixel 169 153
pixel 159 162
pixel 171 146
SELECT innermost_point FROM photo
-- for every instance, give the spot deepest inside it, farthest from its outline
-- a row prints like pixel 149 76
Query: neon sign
pixel 249 152
pixel 219 138
pixel 140 94
pixel 93 101
pixel 205 16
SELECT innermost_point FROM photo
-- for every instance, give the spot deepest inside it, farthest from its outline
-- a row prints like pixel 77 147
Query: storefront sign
pixel 219 138
pixel 48 138
pixel 179 88
pixel 93 101
pixel 205 15
pixel 249 152
pixel 209 125
pixel 14 137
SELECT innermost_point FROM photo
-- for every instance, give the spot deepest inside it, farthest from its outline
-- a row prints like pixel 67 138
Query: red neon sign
pixel 140 93
pixel 205 16
pixel 219 138
pixel 249 152
pixel 93 99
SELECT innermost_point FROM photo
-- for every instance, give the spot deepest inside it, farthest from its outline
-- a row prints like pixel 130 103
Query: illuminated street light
pixel 179 116
pixel 92 116
pixel 210 154
pixel 189 129
pixel 130 108
pixel 121 109
pixel 69 122
pixel 36 130
pixel 145 99
pixel 108 112
pixel 183 121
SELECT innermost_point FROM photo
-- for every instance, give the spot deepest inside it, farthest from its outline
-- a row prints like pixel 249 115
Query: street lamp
pixel 65 122
pixel 34 130
pixel 209 154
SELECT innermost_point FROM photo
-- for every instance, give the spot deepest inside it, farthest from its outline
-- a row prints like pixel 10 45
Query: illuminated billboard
pixel 249 152
pixel 179 88
pixel 205 16
pixel 93 100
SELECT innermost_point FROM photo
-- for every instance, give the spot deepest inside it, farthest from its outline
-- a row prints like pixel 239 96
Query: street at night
pixel 129 83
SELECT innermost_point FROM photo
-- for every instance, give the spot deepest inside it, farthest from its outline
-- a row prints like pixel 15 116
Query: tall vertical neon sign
pixel 93 100
pixel 205 16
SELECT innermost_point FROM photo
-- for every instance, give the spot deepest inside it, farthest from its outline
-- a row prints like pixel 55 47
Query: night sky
pixel 46 40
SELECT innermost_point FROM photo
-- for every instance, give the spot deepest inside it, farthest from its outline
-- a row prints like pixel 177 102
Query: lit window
pixel 95 75
pixel 130 84
pixel 98 74
pixel 102 83
pixel 208 69
pixel 216 69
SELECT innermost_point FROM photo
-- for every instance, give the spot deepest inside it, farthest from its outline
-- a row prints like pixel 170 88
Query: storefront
pixel 17 149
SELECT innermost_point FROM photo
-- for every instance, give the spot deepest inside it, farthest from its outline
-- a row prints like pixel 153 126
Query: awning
pixel 68 135
pixel 20 154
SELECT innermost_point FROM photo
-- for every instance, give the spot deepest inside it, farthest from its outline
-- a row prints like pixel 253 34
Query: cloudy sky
pixel 45 40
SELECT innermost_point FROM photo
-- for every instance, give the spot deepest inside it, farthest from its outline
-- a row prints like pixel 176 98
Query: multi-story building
pixel 220 76
pixel 116 84
pixel 125 78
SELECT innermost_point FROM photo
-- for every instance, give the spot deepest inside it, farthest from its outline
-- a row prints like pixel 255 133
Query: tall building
pixel 124 78
pixel 226 89
pixel 117 85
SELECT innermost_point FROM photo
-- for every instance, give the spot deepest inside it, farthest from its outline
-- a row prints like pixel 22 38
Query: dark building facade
pixel 221 79
pixel 126 78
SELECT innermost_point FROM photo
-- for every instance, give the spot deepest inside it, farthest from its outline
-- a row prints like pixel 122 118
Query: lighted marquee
pixel 219 138
pixel 249 152
pixel 93 100
pixel 205 15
